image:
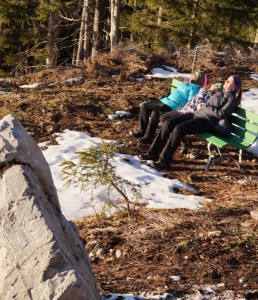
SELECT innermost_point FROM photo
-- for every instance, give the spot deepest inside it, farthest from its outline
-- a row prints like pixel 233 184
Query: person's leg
pixel 163 135
pixel 154 122
pixel 168 115
pixel 146 109
pixel 192 126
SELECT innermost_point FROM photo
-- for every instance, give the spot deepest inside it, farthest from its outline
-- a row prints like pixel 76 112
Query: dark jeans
pixel 168 115
pixel 149 117
pixel 173 131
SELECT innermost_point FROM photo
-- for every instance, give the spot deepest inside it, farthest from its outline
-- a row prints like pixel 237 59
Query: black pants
pixel 173 131
pixel 149 117
pixel 168 115
pixel 172 114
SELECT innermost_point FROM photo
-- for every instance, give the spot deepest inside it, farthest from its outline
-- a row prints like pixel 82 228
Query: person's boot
pixel 137 134
pixel 146 156
pixel 144 140
pixel 161 164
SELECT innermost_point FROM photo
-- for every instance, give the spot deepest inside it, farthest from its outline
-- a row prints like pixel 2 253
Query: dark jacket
pixel 219 106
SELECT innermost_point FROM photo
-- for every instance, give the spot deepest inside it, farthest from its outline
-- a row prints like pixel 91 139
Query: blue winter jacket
pixel 183 93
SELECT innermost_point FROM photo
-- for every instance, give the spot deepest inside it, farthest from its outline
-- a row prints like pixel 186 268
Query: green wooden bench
pixel 175 83
pixel 244 134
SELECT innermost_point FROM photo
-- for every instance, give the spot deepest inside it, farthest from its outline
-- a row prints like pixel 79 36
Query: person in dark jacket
pixel 151 111
pixel 174 129
pixel 202 97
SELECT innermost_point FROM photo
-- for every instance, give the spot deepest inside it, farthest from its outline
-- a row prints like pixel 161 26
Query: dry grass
pixel 215 244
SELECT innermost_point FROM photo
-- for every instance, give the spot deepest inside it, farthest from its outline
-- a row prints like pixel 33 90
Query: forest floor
pixel 217 244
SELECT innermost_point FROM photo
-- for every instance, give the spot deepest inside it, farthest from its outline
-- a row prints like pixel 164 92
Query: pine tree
pixel 114 22
pixel 52 32
pixel 95 169
pixel 17 32
pixel 100 16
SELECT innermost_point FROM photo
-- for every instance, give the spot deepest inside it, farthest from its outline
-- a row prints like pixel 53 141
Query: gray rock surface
pixel 41 254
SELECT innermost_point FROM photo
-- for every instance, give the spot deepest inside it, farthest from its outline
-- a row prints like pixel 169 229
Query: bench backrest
pixel 245 125
pixel 174 84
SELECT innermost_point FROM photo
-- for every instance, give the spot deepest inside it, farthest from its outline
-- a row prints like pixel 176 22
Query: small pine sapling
pixel 94 169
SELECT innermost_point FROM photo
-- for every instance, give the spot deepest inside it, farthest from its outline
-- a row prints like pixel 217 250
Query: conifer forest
pixel 49 33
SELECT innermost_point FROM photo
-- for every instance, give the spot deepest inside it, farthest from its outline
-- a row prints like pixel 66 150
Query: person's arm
pixel 193 91
pixel 199 106
pixel 179 88
pixel 202 97
pixel 228 108
pixel 190 106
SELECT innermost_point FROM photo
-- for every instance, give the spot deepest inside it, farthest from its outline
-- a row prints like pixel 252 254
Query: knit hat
pixel 219 85
pixel 236 82
pixel 202 79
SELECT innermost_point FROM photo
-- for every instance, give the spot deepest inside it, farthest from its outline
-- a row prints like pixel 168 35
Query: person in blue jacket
pixel 151 111
pixel 204 119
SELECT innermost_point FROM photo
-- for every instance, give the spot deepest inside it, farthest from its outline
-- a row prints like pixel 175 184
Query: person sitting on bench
pixel 202 97
pixel 203 119
pixel 151 111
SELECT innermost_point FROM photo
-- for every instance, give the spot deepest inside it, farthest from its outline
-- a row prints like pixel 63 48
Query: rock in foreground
pixel 41 254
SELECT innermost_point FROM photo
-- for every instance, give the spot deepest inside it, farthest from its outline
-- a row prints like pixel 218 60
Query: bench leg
pixel 209 157
pixel 211 161
pixel 219 152
pixel 240 156
pixel 220 157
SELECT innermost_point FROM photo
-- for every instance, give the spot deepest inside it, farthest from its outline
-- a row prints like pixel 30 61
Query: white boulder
pixel 41 253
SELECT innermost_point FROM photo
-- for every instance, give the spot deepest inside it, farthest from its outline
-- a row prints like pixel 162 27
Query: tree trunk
pixel 83 49
pixel 114 23
pixel 98 26
pixel 134 6
pixel 160 15
pixel 192 35
pixel 87 31
pixel 51 60
pixel 256 40
pixel 81 35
